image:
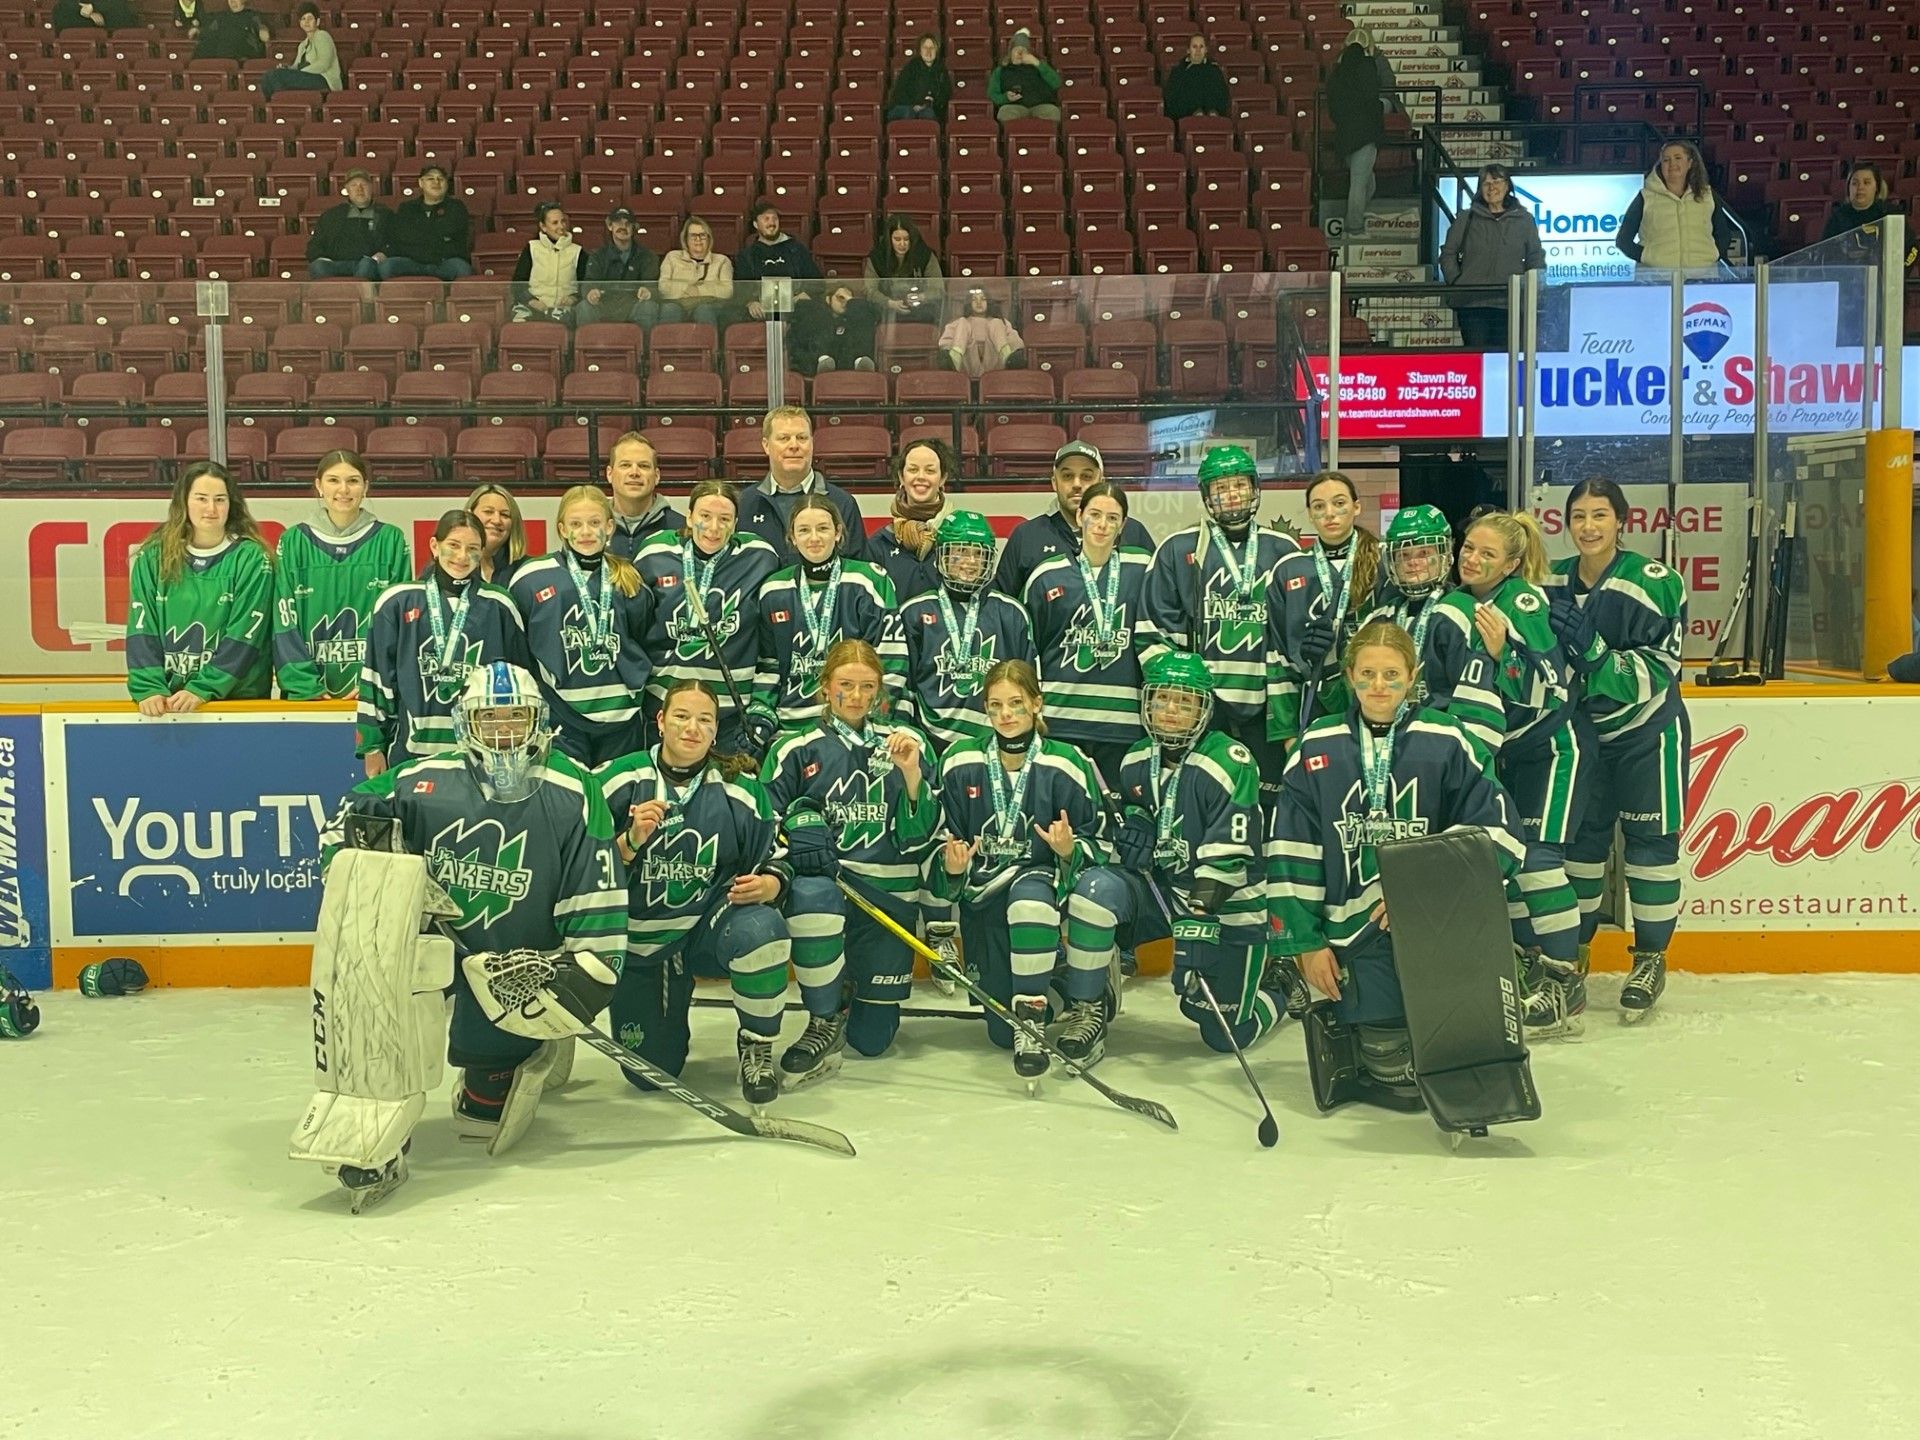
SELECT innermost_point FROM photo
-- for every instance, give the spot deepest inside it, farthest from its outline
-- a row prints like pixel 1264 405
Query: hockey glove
pixel 1315 644
pixel 810 848
pixel 540 996
pixel 758 727
pixel 1134 839
pixel 1196 950
pixel 1573 627
pixel 19 1016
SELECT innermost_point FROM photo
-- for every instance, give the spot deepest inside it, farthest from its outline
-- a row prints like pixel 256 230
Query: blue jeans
pixel 395 266
pixel 363 269
pixel 912 112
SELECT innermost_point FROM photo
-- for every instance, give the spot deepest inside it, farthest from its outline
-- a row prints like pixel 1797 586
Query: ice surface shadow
pixel 1040 1391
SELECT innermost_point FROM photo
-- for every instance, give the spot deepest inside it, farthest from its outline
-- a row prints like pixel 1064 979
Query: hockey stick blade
pixel 800 1131
pixel 1152 1109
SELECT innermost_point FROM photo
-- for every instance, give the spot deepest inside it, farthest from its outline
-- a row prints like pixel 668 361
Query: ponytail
pixel 1363 580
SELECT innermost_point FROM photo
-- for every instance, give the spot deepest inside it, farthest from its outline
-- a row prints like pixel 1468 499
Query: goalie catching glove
pixel 540 995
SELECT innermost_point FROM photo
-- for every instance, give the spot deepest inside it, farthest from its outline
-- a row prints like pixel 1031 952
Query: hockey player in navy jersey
pixel 704 582
pixel 1022 815
pixel 1319 597
pixel 1622 619
pixel 426 636
pixel 586 615
pixel 1206 593
pixel 808 608
pixel 1189 834
pixel 695 835
pixel 958 633
pixel 1084 608
pixel 1386 769
pixel 857 798
pixel 519 839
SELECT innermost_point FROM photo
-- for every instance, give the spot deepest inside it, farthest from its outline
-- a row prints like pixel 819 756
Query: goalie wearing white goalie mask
pixel 490 859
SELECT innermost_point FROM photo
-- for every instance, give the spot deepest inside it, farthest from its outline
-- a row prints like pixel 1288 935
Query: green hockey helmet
pixel 1223 462
pixel 1419 546
pixel 1176 697
pixel 963 551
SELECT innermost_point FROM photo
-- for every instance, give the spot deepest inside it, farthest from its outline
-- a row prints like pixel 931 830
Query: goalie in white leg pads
pixel 521 841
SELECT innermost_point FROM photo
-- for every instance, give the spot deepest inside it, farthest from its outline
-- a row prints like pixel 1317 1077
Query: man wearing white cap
pixel 1076 465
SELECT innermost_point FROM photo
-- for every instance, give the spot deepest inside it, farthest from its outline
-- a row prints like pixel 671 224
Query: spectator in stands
pixel 1492 240
pixel 786 434
pixel 695 283
pixel 903 547
pixel 771 254
pixel 1023 86
pixel 1196 86
pixel 352 238
pixel 904 281
pixel 547 281
pixel 621 276
pixel 633 484
pixel 503 532
pixel 1359 124
pixel 923 86
pixel 186 16
pixel 316 64
pixel 836 335
pixel 432 232
pixel 235 33
pixel 105 14
pixel 1866 205
pixel 981 339
pixel 1676 222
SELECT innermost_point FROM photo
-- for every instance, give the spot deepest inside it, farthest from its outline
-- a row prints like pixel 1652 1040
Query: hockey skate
pixel 1082 1035
pixel 1282 978
pixel 479 1095
pixel 943 938
pixel 1644 985
pixel 818 1051
pixel 1556 1000
pixel 759 1081
pixel 367 1188
pixel 1030 1061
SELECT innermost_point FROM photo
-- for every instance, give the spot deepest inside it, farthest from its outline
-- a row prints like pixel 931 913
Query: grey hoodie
pixel 1487 247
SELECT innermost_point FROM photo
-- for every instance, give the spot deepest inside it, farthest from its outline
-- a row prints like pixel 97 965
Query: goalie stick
pixel 1269 1131
pixel 1152 1109
pixel 516 978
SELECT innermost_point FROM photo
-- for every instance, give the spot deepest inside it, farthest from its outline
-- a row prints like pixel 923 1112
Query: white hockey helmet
pixel 502 726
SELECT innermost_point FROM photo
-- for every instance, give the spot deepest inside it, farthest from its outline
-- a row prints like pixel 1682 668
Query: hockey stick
pixel 517 978
pixel 799 1007
pixel 1152 1109
pixel 698 605
pixel 1269 1132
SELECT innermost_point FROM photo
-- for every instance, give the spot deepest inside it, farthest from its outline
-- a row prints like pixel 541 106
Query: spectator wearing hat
pixel 1023 86
pixel 235 33
pixel 1076 466
pixel 432 232
pixel 352 238
pixel 1196 86
pixel 316 64
pixel 621 277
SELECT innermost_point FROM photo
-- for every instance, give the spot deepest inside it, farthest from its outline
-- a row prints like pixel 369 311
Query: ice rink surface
pixel 1710 1234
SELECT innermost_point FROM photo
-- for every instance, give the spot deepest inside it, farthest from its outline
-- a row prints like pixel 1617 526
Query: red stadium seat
pixel 48 456
pixel 687 454
pixel 439 399
pixel 1022 451
pixel 406 454
pixel 854 451
pixel 297 450
pixel 497 455
pixel 668 394
pixel 133 456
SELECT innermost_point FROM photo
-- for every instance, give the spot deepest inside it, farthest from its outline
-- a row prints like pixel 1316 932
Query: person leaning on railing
pixel 1492 240
pixel 1676 222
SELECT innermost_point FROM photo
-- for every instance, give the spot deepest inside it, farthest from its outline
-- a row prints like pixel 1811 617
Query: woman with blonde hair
pixel 332 568
pixel 200 611
pixel 1320 597
pixel 695 283
pixel 504 531
pixel 586 615
pixel 1022 824
pixel 703 581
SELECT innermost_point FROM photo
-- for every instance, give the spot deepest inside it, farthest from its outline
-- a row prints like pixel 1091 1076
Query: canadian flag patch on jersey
pixel 973 792
pixel 411 615
pixel 807 772
pixel 1298 582
pixel 780 617
pixel 1055 593
pixel 423 787
pixel 667 582
pixel 1316 762
pixel 543 594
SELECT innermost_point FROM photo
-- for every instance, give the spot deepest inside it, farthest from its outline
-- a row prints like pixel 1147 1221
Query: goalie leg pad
pixel 1453 952
pixel 530 1079
pixel 377 1008
pixel 1333 1056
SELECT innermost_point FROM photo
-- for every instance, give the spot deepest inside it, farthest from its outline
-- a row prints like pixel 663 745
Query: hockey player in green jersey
pixel 695 832
pixel 199 615
pixel 331 569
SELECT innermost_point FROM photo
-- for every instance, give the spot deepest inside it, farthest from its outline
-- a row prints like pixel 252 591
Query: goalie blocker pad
pixel 377 1006
pixel 1453 953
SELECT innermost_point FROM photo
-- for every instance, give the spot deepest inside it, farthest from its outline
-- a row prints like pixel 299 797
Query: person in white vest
pixel 546 282
pixel 1676 222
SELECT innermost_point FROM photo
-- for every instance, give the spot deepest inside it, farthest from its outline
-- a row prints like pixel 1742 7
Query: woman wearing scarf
pixel 903 547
